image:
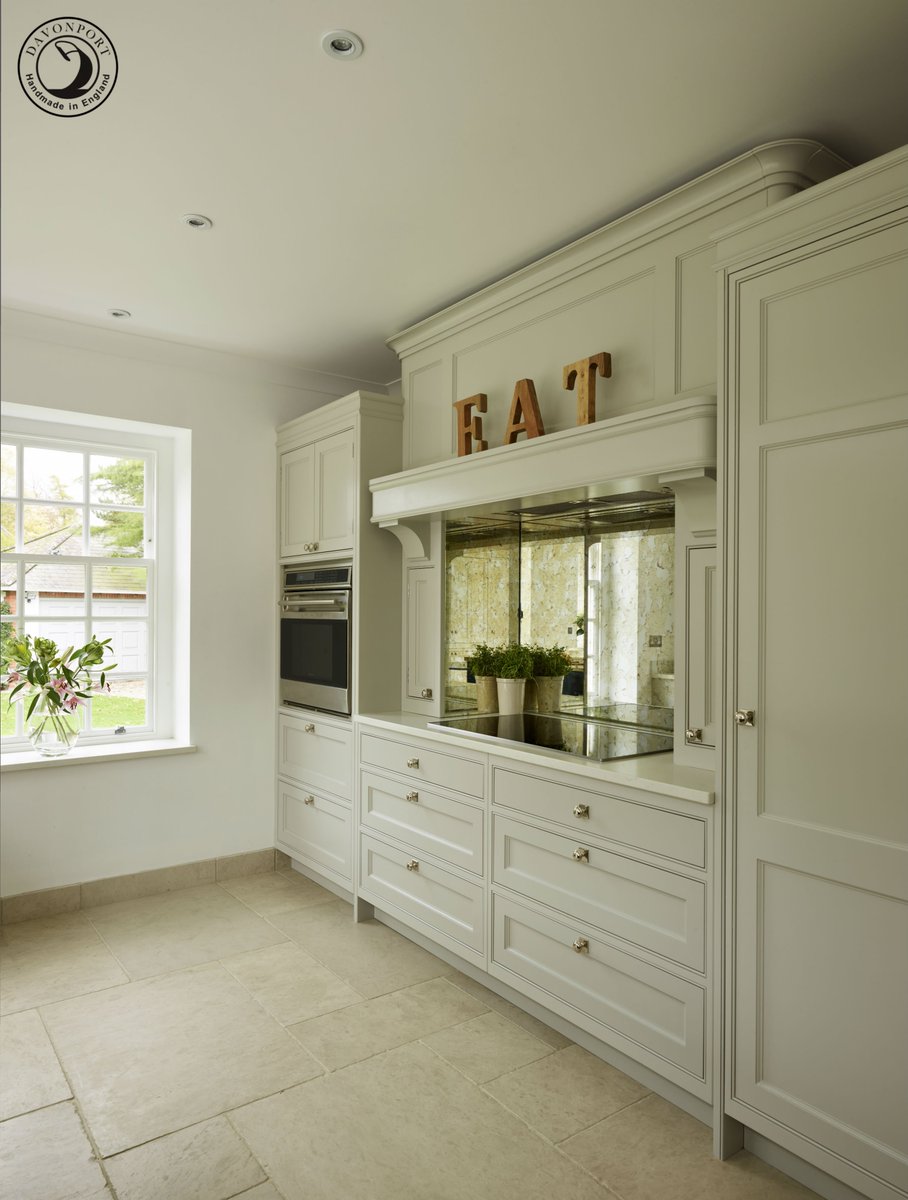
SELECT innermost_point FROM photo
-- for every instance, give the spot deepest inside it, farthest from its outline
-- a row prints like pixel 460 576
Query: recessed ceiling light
pixel 341 43
pixel 196 221
pixel 121 313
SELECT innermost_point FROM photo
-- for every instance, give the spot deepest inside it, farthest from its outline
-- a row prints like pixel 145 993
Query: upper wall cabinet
pixel 642 289
pixel 317 497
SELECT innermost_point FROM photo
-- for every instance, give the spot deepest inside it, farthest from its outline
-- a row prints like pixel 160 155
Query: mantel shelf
pixel 615 454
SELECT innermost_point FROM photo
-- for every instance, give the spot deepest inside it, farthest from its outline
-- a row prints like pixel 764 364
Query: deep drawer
pixel 426 820
pixel 393 878
pixel 414 761
pixel 315 828
pixel 317 753
pixel 659 910
pixel 651 1008
pixel 642 826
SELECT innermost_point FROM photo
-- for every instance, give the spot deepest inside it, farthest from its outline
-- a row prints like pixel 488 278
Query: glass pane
pixel 128 643
pixel 8 522
pixel 8 470
pixel 52 474
pixel 54 589
pixel 117 480
pixel 61 633
pixel 7 711
pixel 51 529
pixel 117 534
pixel 124 705
pixel 119 592
pixel 7 632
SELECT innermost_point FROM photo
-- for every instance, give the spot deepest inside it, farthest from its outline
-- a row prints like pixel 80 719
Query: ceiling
pixel 351 199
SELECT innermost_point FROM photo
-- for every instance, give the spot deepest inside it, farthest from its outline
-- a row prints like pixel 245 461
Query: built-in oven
pixel 315 658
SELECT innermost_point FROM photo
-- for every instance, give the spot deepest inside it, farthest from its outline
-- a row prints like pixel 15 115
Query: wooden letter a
pixel 524 416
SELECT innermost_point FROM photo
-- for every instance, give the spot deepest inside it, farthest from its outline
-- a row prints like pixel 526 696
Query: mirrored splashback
pixel 596 578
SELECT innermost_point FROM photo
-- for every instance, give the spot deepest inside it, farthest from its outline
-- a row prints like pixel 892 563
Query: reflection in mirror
pixel 597 579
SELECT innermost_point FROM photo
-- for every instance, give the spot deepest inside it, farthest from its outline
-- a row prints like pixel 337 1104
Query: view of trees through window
pixel 77 562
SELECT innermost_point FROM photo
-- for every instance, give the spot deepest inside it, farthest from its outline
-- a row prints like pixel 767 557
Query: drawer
pixel 642 826
pixel 416 762
pixel 315 828
pixel 656 909
pixel 621 994
pixel 313 751
pixel 428 821
pixel 394 879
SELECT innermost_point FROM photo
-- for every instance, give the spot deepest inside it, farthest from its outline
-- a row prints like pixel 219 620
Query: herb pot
pixel 510 695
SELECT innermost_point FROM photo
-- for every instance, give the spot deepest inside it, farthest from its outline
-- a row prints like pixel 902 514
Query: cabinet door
pixel 297 500
pixel 335 494
pixel 701 674
pixel 818 424
pixel 315 829
pixel 423 633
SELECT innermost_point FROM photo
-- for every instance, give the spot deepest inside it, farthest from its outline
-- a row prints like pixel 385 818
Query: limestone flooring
pixel 245 1038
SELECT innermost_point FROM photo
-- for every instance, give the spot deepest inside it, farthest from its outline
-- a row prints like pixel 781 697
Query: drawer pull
pixel 413 797
pixel 309 727
pixel 581 810
pixel 413 764
pixel 412 865
pixel 581 945
pixel 581 854
pixel 314 546
pixel 693 736
pixel 426 694
pixel 308 800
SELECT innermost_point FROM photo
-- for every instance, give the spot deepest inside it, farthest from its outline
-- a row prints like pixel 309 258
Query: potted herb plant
pixel 550 665
pixel 482 665
pixel 513 667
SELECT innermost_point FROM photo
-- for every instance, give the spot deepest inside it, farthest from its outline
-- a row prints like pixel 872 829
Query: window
pixel 85 553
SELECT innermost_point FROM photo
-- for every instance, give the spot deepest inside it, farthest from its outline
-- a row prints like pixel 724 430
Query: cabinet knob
pixel 309 727
pixel 426 693
pixel 693 735
pixel 581 854
pixel 412 865
pixel 413 764
pixel 581 810
pixel 308 800
pixel 581 945
pixel 307 545
pixel 413 797
pixel 744 716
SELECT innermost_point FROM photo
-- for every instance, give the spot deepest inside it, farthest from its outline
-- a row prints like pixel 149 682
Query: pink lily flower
pixel 72 702
pixel 14 676
pixel 60 686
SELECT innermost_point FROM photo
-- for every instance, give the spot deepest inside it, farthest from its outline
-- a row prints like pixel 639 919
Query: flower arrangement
pixel 54 684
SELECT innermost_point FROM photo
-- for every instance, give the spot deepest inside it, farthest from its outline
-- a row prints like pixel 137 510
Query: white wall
pixel 74 823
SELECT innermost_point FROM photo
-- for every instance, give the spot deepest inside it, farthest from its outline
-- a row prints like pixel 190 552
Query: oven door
pixel 315 651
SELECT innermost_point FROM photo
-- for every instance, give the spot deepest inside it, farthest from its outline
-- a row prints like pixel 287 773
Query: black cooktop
pixel 583 737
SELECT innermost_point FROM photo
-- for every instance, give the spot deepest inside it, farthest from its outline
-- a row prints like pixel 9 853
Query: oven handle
pixel 321 605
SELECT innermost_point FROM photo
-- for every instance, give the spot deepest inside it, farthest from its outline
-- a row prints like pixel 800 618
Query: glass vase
pixel 53 731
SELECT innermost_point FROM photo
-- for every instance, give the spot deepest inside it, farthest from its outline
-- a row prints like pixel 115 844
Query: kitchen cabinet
pixel 318 497
pixel 816 377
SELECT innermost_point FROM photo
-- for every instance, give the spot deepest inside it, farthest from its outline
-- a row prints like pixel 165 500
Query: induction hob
pixel 583 737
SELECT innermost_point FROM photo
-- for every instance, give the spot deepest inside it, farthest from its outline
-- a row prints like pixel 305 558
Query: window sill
pixel 28 760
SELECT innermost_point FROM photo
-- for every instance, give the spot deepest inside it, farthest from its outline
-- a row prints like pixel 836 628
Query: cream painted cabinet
pixel 318 497
pixel 817 494
pixel 423 634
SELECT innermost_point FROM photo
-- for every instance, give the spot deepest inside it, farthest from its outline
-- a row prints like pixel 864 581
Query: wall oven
pixel 315 637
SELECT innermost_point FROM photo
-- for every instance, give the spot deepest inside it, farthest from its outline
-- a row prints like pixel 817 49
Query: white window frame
pixel 166 452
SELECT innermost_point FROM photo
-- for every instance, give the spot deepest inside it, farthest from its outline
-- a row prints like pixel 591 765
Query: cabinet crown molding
pixel 333 415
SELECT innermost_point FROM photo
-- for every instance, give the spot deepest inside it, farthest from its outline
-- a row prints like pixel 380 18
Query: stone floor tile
pixel 180 929
pixel 289 983
pixel 205 1162
pixel 566 1092
pixel 30 1075
pixel 45 1155
pixel 150 1058
pixel 498 1004
pixel 276 893
pixel 404 1126
pixel 345 1037
pixel 487 1046
pixel 51 959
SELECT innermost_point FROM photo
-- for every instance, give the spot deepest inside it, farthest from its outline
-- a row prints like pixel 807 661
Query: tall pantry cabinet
pixel 816 574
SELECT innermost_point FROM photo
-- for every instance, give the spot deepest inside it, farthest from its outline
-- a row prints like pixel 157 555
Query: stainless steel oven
pixel 315 637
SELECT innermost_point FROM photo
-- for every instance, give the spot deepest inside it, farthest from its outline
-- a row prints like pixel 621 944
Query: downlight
pixel 196 221
pixel 341 43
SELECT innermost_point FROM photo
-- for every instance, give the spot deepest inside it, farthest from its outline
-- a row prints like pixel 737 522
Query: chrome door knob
pixel 314 546
pixel 309 727
pixel 581 854
pixel 693 735
pixel 308 800
pixel 426 693
pixel 581 810
pixel 744 717
pixel 581 945
pixel 413 797
pixel 412 865
pixel 413 764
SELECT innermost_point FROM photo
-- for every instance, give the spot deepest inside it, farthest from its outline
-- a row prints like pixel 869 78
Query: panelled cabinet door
pixel 702 667
pixel 422 633
pixel 297 500
pixel 335 496
pixel 818 472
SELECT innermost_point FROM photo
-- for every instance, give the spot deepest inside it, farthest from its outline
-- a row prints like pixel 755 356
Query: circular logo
pixel 67 67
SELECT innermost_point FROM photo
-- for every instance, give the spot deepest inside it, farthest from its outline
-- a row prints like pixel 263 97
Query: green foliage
pixel 514 661
pixel 7 635
pixel 38 671
pixel 123 482
pixel 483 659
pixel 580 623
pixel 550 661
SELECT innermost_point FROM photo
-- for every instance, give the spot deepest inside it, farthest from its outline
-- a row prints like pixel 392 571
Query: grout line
pixel 255 1157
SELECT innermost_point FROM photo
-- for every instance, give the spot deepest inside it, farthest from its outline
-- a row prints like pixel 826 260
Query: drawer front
pixel 315 752
pixel 426 820
pixel 657 909
pixel 428 766
pixel 668 834
pixel 428 893
pixel 315 828
pixel 652 1008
